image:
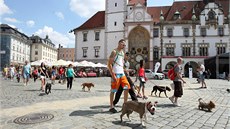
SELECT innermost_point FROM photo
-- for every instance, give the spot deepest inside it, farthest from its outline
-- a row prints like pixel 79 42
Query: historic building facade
pixel 193 30
pixel 15 46
pixel 66 54
pixel 43 49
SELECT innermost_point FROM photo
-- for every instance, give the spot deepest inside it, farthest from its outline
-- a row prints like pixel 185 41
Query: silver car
pixel 152 75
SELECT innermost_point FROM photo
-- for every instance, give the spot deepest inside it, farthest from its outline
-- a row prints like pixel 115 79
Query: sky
pixel 54 18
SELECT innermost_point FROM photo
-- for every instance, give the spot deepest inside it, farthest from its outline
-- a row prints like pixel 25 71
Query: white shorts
pixel 43 77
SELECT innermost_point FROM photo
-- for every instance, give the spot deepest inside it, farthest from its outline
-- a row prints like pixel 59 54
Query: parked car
pixel 150 74
pixel 165 72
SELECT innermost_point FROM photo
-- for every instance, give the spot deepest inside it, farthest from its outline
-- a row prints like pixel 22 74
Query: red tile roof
pixel 134 2
pixel 184 7
pixel 156 11
pixel 96 21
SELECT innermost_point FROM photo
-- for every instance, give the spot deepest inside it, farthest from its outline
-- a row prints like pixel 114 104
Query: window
pixel 155 32
pixel 221 48
pixel 186 32
pixel 221 31
pixel 186 50
pixel 13 48
pixel 203 32
pixel 170 49
pixel 96 50
pixel 97 36
pixel 115 23
pixel 84 37
pixel 170 32
pixel 63 55
pixel 203 49
pixel 36 52
pixel 85 51
pixel 115 4
pixel 155 53
pixel 36 46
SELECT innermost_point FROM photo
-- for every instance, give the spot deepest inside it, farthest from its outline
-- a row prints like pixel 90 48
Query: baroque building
pixel 194 30
pixel 43 49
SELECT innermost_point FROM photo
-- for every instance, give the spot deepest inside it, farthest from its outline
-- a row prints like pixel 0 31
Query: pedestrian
pixel 5 70
pixel 53 74
pixel 131 90
pixel 142 79
pixel 116 69
pixel 35 73
pixel 26 72
pixel 12 72
pixel 208 74
pixel 178 80
pixel 43 76
pixel 202 75
pixel 61 74
pixel 70 75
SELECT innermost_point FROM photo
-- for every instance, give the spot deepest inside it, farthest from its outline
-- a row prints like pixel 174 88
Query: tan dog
pixel 202 105
pixel 139 107
pixel 88 85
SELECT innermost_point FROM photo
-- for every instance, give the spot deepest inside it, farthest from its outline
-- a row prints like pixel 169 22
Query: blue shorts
pixel 26 75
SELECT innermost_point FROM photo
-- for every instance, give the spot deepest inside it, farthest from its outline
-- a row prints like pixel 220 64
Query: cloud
pixel 60 15
pixel 56 37
pixel 12 20
pixel 4 9
pixel 86 8
pixel 30 23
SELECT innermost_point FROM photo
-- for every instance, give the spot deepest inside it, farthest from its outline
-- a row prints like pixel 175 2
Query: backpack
pixel 171 73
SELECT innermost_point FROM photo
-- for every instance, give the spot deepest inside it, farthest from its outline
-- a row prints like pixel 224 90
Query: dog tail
pixel 199 99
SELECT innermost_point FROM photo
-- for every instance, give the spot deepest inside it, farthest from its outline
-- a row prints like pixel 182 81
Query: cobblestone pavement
pixel 76 109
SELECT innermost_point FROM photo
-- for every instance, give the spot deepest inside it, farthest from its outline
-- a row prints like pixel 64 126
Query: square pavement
pixel 76 109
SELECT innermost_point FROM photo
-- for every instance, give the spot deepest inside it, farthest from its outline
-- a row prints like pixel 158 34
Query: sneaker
pixel 177 104
pixel 113 110
pixel 171 99
pixel 144 97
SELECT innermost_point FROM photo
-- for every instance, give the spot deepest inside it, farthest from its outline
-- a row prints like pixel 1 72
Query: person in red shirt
pixel 61 74
pixel 142 79
pixel 35 74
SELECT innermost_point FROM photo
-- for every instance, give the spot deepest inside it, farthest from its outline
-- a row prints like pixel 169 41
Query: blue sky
pixel 53 17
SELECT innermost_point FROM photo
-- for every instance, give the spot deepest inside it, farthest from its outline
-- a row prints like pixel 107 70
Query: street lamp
pixel 193 32
pixel 161 31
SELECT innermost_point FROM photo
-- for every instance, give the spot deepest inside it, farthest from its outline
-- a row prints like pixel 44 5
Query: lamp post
pixel 161 31
pixel 194 32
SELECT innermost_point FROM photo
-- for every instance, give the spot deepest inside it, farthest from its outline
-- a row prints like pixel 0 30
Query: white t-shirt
pixel 202 69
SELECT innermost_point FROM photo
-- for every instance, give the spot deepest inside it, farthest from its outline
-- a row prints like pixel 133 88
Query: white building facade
pixel 15 46
pixel 194 30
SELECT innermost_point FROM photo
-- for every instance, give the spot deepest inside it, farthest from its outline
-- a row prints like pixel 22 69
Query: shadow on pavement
pixel 103 90
pixel 87 112
pixel 165 105
pixel 132 125
pixel 194 88
pixel 42 94
pixel 100 107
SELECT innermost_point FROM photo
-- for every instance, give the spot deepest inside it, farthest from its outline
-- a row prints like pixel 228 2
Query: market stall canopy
pixel 60 63
pixel 38 63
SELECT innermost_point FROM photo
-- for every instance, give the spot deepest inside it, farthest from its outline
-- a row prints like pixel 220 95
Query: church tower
pixel 115 15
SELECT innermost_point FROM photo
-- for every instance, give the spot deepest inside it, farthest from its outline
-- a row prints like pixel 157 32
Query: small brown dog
pixel 88 85
pixel 202 105
pixel 140 107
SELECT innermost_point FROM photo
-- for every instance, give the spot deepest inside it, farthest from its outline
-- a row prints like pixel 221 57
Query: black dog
pixel 228 90
pixel 48 88
pixel 161 89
